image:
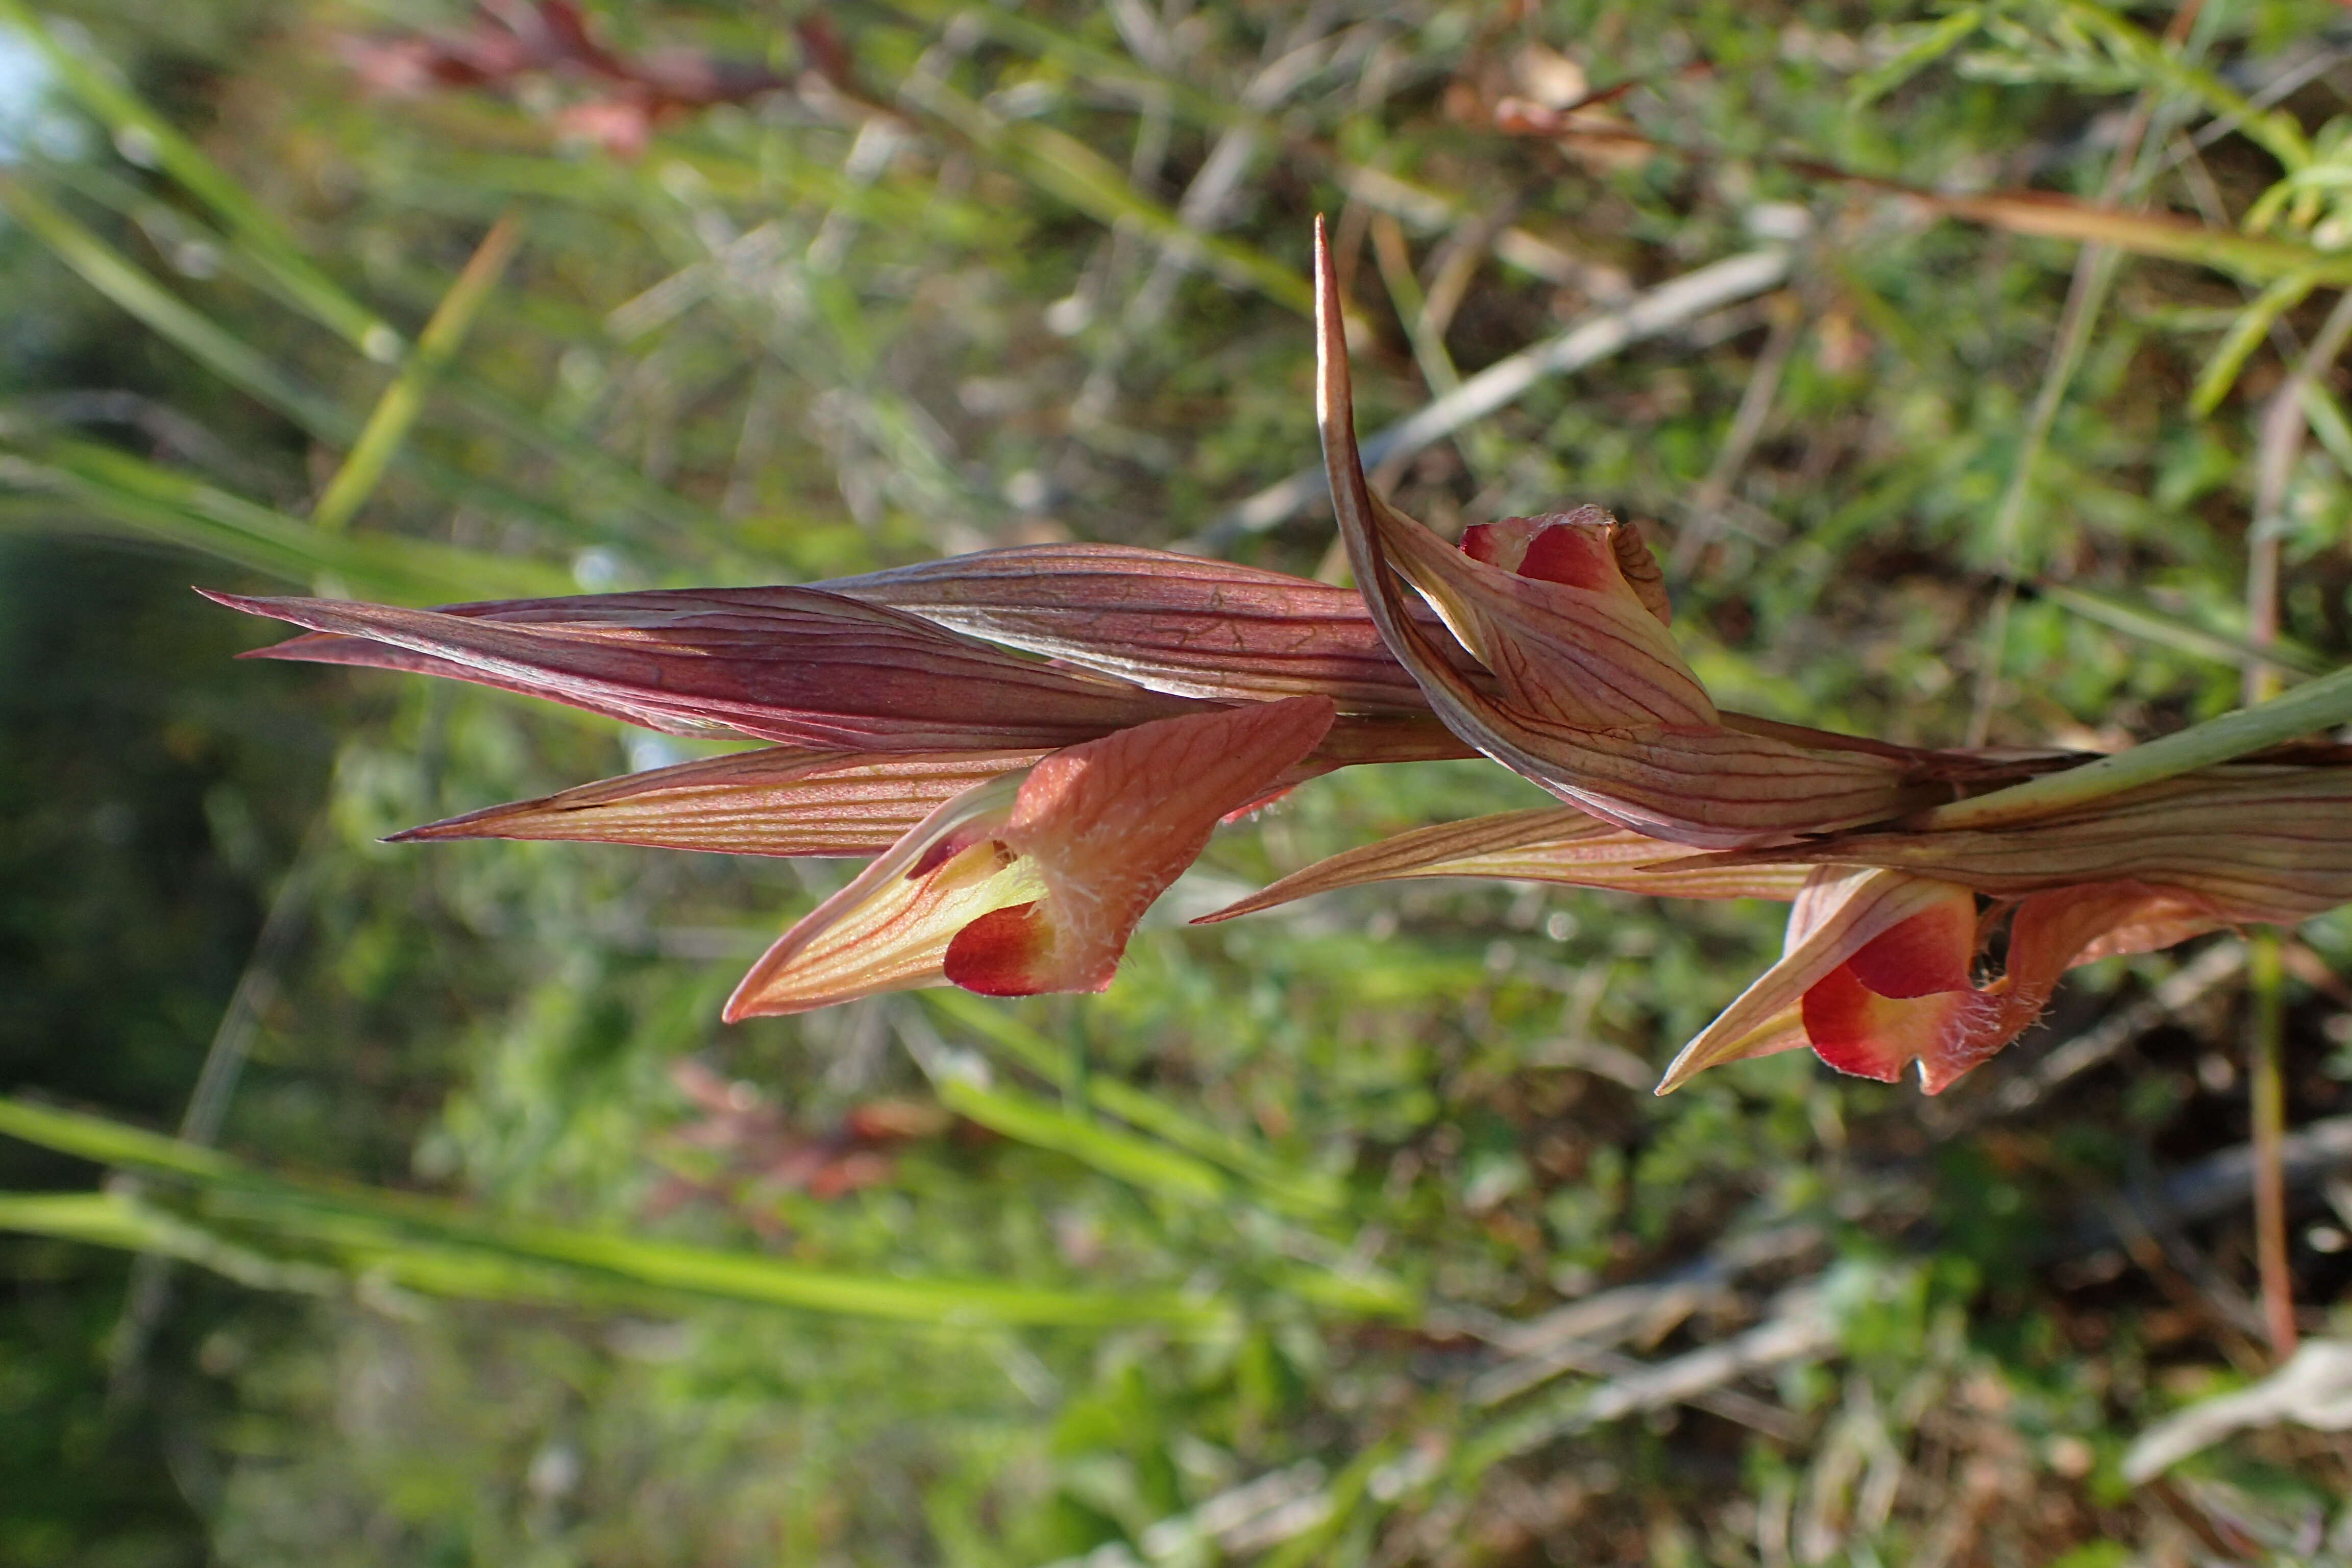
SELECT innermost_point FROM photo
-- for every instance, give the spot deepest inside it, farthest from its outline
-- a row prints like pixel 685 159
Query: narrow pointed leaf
pixel 1280 1184
pixel 261 234
pixel 776 801
pixel 1544 845
pixel 441 1248
pixel 396 409
pixel 1186 624
pixel 2140 620
pixel 794 665
pixel 145 499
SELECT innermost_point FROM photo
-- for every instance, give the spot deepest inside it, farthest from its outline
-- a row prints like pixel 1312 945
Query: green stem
pixel 2266 1089
pixel 2316 705
pixel 397 409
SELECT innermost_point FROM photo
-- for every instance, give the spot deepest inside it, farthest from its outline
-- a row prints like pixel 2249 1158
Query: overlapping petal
pixel 1593 702
pixel 795 664
pixel 1182 623
pixel 1878 968
pixel 1034 881
pixel 2272 842
pixel 1558 844
pixel 796 800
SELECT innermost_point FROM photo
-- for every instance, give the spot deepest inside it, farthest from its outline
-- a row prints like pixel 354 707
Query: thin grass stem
pixel 395 411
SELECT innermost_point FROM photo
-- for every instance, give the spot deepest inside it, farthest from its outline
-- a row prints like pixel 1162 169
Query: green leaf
pixel 397 409
pixel 437 1246
pixel 1111 1150
pixel 112 274
pixel 175 509
pixel 2246 334
pixel 133 124
pixel 1927 44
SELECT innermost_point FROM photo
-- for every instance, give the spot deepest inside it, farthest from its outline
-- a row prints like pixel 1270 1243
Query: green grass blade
pixel 1281 1186
pixel 455 1252
pixel 2273 129
pixel 593 469
pixel 1929 43
pixel 119 1220
pixel 1086 62
pixel 2247 332
pixel 113 275
pixel 1110 1149
pixel 133 124
pixel 132 288
pixel 106 1142
pixel 2172 631
pixel 585 463
pixel 1066 168
pixel 396 409
pixel 174 509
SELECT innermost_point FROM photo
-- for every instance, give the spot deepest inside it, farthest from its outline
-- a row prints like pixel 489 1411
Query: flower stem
pixel 2266 1089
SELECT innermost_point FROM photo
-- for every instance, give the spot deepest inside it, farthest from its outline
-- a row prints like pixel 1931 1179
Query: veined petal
pixel 1582 650
pixel 889 929
pixel 1545 844
pixel 1777 1032
pixel 1198 626
pixel 1652 768
pixel 780 800
pixel 359 653
pixel 1840 915
pixel 795 664
pixel 1034 881
pixel 1181 624
pixel 2270 842
pixel 798 801
pixel 1112 823
pixel 1856 1030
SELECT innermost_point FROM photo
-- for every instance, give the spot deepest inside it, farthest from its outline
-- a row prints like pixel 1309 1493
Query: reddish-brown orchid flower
pixel 1034 881
pixel 1036 742
pixel 1876 970
pixel 1027 812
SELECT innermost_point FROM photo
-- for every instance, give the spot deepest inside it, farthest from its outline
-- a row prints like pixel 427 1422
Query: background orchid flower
pixel 1034 881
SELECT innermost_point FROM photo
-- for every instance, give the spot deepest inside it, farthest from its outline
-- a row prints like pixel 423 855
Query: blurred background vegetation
pixel 1349 1233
